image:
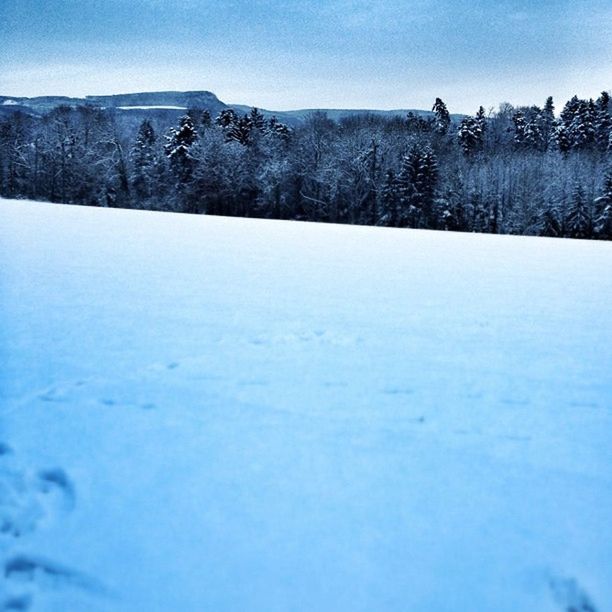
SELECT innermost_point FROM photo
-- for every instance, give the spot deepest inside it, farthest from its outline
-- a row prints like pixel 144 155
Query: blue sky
pixel 332 53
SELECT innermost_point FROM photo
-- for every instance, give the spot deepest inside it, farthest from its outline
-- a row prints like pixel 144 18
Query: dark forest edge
pixel 512 171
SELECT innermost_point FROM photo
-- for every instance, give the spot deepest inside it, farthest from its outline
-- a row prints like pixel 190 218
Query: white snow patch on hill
pixel 203 413
pixel 152 107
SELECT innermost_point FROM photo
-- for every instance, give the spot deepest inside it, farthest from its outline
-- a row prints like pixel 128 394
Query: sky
pixel 282 55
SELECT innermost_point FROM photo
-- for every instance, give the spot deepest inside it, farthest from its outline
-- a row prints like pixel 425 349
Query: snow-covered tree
pixel 389 201
pixel 277 129
pixel 442 119
pixel 470 136
pixel 179 148
pixel 144 161
pixel 603 122
pixel 578 220
pixel 257 120
pixel 180 151
pixel 550 222
pixel 546 123
pixel 603 221
pixel 416 184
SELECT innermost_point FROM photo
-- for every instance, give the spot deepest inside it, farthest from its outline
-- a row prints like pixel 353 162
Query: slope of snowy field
pixel 159 107
pixel 203 413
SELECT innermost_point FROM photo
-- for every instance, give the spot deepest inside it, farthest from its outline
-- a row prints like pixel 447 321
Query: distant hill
pixel 170 104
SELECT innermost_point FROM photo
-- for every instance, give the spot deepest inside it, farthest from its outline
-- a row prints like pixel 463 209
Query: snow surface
pixel 152 107
pixel 204 413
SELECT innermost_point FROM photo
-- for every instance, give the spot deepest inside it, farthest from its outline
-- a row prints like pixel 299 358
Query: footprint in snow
pixel 56 482
pixel 17 603
pixel 29 569
pixel 570 595
pixel 28 574
pixel 29 500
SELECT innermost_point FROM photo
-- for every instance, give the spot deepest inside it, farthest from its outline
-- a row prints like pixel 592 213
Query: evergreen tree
pixel 470 136
pixel 603 122
pixel 240 131
pixel 144 160
pixel 520 128
pixel 416 183
pixel 426 183
pixel 389 201
pixel 180 151
pixel 546 123
pixel 603 221
pixel 409 212
pixel 444 215
pixel 550 221
pixel 257 121
pixel 578 118
pixel 179 147
pixel 481 121
pixel 562 138
pixel 442 119
pixel 578 219
pixel 532 136
pixel 277 129
pixel 479 221
pixel 226 118
pixel 205 119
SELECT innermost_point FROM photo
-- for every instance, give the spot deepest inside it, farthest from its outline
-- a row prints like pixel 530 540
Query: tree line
pixel 513 171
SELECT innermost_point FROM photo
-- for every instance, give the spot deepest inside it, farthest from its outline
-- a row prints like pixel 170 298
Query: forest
pixel 514 170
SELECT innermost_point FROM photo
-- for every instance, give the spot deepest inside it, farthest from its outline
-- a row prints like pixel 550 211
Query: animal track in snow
pixel 17 603
pixel 570 595
pixel 27 500
pixel 57 481
pixel 26 569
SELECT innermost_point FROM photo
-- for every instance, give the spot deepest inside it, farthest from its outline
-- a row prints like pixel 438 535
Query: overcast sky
pixel 323 53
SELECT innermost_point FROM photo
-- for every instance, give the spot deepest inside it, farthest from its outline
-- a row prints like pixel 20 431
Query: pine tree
pixel 562 138
pixel 241 131
pixel 389 201
pixel 578 219
pixel 603 122
pixel 578 118
pixel 257 120
pixel 470 136
pixel 442 119
pixel 180 149
pixel 550 222
pixel 481 121
pixel 205 119
pixel 408 214
pixel 520 128
pixel 445 215
pixel 603 221
pixel 546 123
pixel 277 129
pixel 476 212
pixel 226 118
pixel 144 160
pixel 416 183
pixel 532 136
pixel 425 185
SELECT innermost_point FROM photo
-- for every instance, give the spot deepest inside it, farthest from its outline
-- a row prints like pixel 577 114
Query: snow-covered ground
pixel 202 413
pixel 152 107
